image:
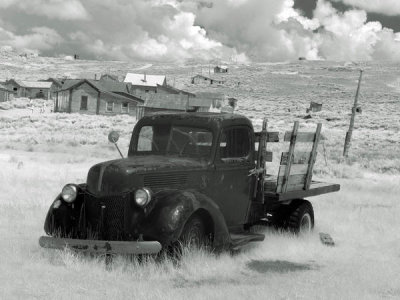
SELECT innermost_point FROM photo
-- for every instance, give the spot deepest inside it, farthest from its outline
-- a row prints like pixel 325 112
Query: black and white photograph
pixel 199 149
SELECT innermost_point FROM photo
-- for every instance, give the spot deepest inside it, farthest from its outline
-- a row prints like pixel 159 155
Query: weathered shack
pixel 5 93
pixel 57 84
pixel 95 97
pixel 163 102
pixel 201 79
pixel 30 89
pixel 109 77
pixel 220 69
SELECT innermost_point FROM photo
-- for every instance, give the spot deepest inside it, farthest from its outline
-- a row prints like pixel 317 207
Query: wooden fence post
pixel 349 133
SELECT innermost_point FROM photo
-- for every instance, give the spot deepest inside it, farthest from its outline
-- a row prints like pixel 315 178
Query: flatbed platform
pixel 316 188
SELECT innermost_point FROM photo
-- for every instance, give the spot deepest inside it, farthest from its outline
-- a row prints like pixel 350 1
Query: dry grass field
pixel 39 153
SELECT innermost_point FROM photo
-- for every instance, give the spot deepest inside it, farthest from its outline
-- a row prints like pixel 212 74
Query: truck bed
pixel 316 188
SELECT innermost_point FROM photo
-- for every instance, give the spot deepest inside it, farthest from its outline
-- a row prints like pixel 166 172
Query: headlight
pixel 69 193
pixel 142 197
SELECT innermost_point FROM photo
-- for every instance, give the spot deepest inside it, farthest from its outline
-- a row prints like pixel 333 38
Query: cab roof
pixel 200 119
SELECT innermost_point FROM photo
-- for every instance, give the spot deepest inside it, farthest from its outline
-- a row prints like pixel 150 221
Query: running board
pixel 240 239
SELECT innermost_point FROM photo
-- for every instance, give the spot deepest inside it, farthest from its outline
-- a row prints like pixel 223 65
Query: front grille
pixel 105 216
pixel 165 180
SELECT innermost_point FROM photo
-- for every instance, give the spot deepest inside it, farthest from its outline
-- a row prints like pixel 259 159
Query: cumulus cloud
pixel 53 9
pixel 39 38
pixel 180 29
pixel 387 7
pixel 274 30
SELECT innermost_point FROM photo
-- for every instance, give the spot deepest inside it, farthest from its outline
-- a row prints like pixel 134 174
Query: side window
pixel 125 107
pixel 145 139
pixel 235 144
pixel 110 106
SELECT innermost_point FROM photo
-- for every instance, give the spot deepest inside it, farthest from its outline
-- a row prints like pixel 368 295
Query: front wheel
pixel 193 237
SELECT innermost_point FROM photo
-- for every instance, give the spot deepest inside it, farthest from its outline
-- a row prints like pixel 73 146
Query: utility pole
pixel 349 133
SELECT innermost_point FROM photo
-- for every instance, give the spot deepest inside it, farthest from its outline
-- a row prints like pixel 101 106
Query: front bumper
pixel 101 247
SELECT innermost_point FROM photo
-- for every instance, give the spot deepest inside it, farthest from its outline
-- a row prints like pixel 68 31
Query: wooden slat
pixel 296 169
pixel 298 157
pixel 313 157
pixel 268 156
pixel 293 138
pixel 292 183
pixel 272 137
pixel 302 137
pixel 261 161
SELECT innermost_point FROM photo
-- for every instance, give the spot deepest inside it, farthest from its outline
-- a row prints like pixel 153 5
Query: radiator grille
pixel 112 227
pixel 165 180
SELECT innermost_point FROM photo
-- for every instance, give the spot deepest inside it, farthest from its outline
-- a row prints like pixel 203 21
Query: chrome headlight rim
pixel 69 193
pixel 145 197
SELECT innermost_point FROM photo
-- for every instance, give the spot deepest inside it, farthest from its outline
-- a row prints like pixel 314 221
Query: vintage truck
pixel 191 178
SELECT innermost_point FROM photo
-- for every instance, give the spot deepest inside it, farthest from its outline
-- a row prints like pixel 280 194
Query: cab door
pixel 234 159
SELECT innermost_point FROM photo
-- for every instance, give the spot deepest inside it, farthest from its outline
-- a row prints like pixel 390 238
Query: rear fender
pixel 172 209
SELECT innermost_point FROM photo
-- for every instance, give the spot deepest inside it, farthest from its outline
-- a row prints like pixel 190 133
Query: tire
pixel 301 217
pixel 297 217
pixel 193 234
pixel 193 237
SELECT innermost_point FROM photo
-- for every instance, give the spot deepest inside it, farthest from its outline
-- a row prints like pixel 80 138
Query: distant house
pixel 204 79
pixel 30 89
pixel 163 102
pixel 57 84
pixel 221 69
pixel 96 97
pixel 109 77
pixel 143 84
pixel 5 93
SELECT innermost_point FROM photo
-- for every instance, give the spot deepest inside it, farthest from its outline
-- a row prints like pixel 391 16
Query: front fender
pixel 62 218
pixel 171 210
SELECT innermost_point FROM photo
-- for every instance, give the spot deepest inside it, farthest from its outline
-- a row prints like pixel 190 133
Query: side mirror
pixel 113 137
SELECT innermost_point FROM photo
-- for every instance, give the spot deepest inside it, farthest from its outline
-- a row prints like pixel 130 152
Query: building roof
pixel 222 67
pixel 33 84
pixel 109 77
pixel 175 103
pixel 4 88
pixel 115 89
pixel 209 78
pixel 172 90
pixel 201 102
pixel 54 80
pixel 211 95
pixel 145 80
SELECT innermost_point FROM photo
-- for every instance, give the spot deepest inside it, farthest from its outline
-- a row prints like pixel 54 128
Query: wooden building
pixel 142 84
pixel 201 79
pixel 5 93
pixel 163 102
pixel 57 84
pixel 96 97
pixel 220 69
pixel 30 89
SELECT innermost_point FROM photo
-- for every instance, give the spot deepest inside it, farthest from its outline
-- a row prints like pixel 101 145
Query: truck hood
pixel 123 175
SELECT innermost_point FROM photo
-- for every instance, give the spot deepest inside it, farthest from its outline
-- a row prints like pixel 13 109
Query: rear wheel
pixel 301 218
pixel 297 217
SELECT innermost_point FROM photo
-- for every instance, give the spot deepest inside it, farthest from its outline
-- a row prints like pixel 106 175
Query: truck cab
pixel 188 177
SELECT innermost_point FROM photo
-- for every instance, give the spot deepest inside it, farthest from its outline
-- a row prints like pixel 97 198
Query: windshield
pixel 175 140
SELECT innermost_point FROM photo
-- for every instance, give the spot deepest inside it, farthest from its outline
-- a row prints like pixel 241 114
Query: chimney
pixel 144 77
pixel 95 76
